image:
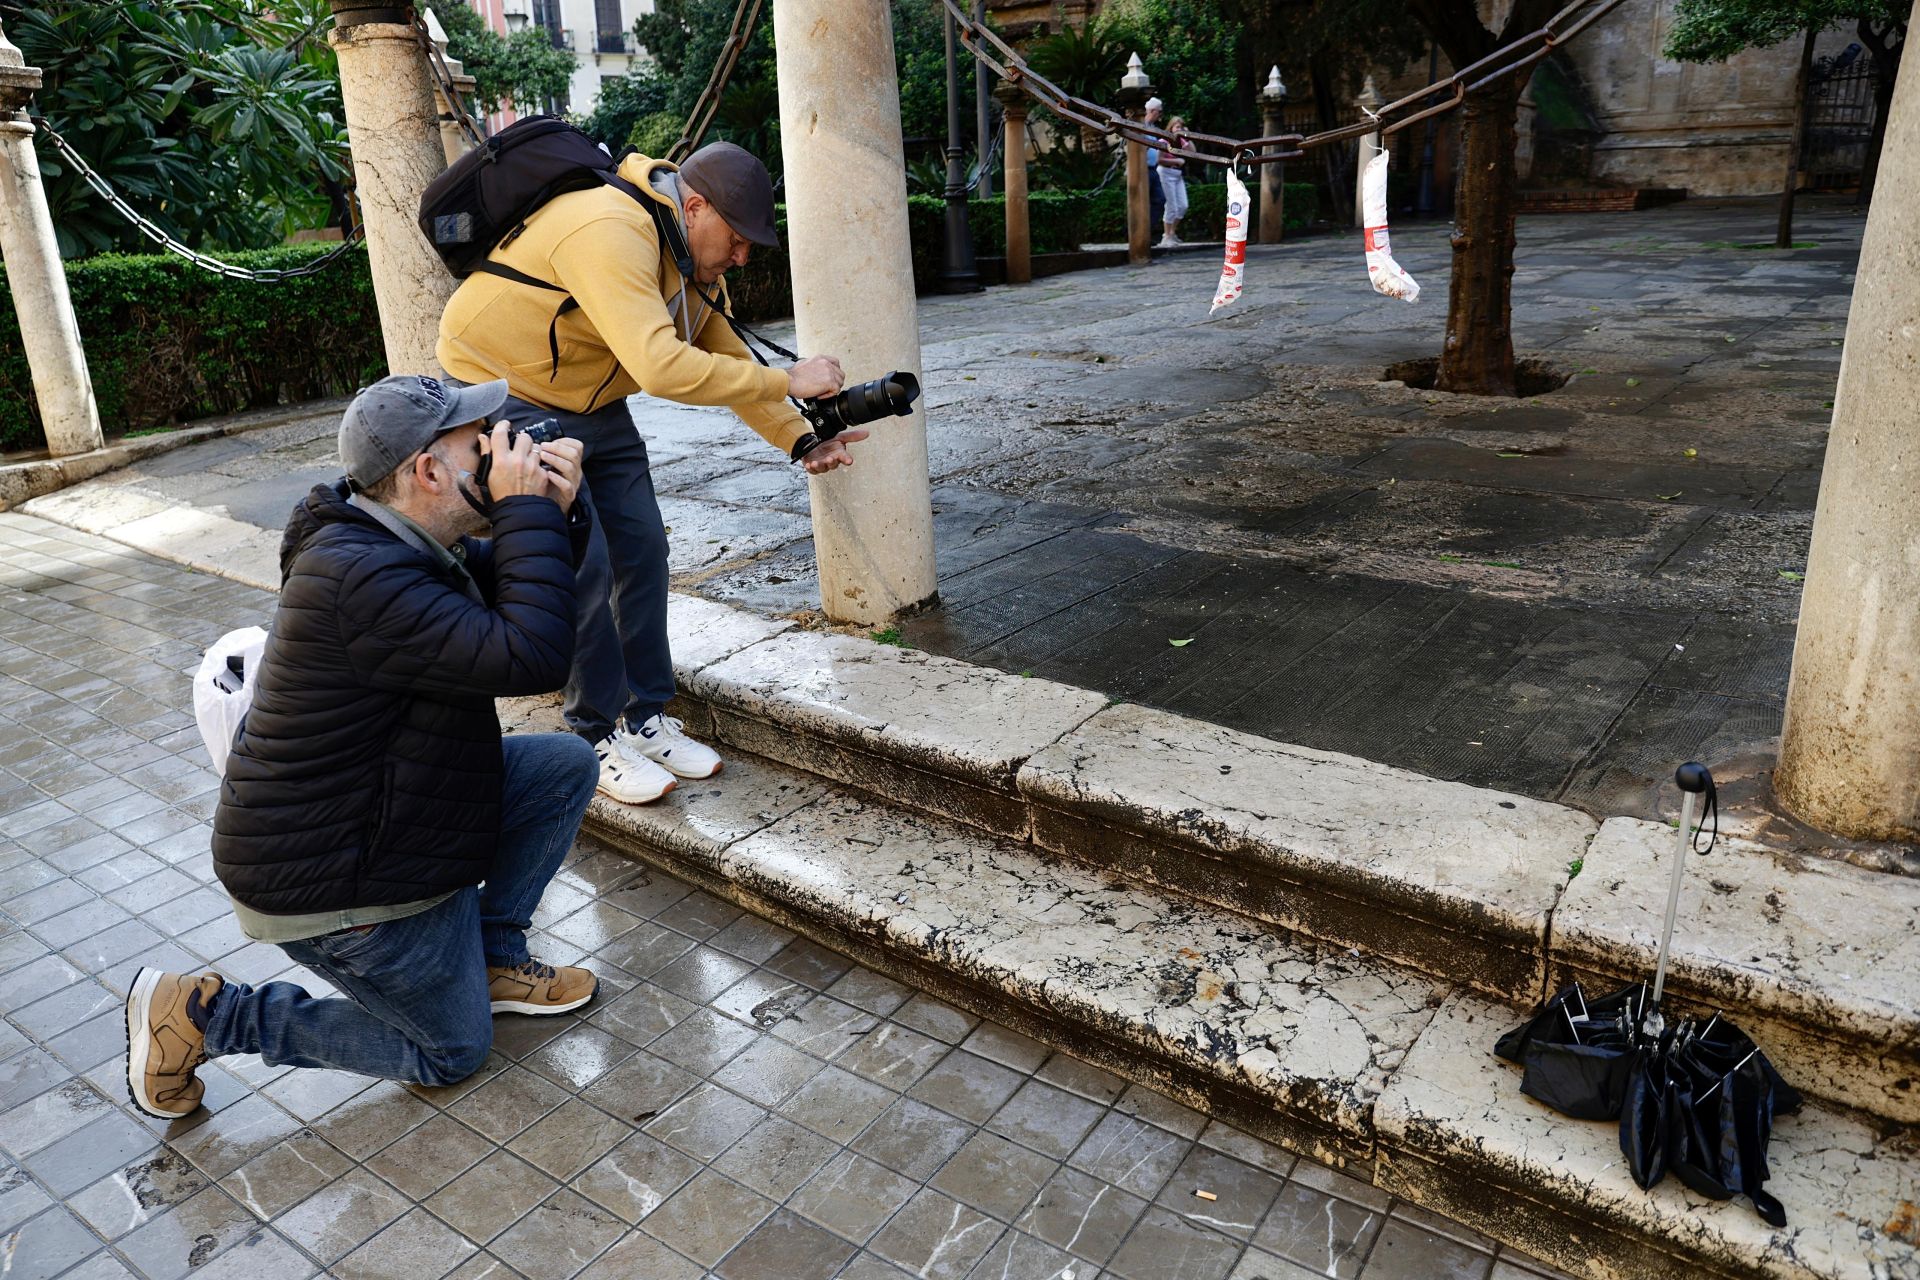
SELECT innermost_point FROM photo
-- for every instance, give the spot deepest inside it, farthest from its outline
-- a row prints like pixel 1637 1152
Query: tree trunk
pixel 1886 47
pixel 1478 356
pixel 1783 236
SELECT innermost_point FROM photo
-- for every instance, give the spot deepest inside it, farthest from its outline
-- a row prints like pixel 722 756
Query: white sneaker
pixel 1166 242
pixel 662 741
pixel 628 779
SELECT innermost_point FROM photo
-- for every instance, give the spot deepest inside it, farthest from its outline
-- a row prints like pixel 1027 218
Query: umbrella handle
pixel 1687 799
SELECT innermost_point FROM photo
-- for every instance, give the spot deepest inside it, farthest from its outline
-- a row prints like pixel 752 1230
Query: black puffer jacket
pixel 368 771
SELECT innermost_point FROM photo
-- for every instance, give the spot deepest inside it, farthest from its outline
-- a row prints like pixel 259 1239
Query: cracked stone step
pixel 1815 958
pixel 1456 881
pixel 1456 1134
pixel 1292 1038
pixel 942 735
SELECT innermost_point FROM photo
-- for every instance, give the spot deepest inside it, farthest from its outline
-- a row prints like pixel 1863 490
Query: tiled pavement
pixel 738 1103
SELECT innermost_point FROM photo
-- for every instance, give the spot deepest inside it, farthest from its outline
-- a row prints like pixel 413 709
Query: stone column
pixel 1850 749
pixel 1273 175
pixel 852 269
pixel 393 128
pixel 61 386
pixel 1013 106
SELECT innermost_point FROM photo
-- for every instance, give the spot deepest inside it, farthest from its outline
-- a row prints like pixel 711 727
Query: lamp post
pixel 961 274
pixel 982 114
pixel 1273 177
pixel 1135 89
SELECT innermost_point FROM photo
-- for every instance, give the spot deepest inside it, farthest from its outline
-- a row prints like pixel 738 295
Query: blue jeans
pixel 622 667
pixel 416 1005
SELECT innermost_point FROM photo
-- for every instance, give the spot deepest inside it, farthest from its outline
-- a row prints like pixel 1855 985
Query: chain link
pixel 443 74
pixel 146 227
pixel 1440 96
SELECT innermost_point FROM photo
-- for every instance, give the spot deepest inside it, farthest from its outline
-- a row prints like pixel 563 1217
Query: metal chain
pixel 708 104
pixel 167 242
pixel 443 74
pixel 1395 116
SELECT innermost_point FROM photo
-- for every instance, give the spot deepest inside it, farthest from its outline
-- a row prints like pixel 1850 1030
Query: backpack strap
pixel 567 304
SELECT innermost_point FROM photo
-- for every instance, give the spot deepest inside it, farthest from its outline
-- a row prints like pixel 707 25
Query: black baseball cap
pixel 736 184
pixel 400 415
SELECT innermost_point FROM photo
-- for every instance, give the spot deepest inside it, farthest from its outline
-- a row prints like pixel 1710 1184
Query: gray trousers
pixel 622 666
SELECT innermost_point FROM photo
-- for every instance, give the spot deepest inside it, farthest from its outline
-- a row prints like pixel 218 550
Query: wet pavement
pixel 1238 519
pixel 737 1103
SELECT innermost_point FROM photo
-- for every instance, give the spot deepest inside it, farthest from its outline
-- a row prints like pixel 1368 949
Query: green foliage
pixel 1106 217
pixel 168 341
pixel 1714 30
pixel 654 135
pixel 1191 50
pixel 625 103
pixel 920 64
pixel 220 122
pixel 1086 63
pixel 523 66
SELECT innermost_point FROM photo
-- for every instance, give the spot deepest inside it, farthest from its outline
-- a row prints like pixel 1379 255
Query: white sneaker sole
pixel 718 765
pixel 636 797
pixel 139 1043
pixel 543 1010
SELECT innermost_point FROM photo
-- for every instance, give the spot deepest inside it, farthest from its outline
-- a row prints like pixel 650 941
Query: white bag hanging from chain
pixel 1388 276
pixel 1234 270
pixel 223 690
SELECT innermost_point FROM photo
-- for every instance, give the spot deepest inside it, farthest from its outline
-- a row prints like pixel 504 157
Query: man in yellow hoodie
pixel 579 308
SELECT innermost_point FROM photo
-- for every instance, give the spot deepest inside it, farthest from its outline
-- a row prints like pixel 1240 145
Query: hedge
pixel 168 341
pixel 1206 211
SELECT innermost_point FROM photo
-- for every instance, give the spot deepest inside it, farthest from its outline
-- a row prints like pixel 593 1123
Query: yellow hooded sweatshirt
pixel 603 249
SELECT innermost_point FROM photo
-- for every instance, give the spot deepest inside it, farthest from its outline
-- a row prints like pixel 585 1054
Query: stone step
pixel 1289 1038
pixel 1455 1134
pixel 1344 1057
pixel 1456 881
pixel 1468 886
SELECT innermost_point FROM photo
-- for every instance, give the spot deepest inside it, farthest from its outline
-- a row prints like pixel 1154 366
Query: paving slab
pixel 1456 881
pixel 1457 1135
pixel 1815 958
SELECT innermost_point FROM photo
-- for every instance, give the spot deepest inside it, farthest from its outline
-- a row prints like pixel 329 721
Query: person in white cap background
pixel 631 324
pixel 372 821
pixel 1156 195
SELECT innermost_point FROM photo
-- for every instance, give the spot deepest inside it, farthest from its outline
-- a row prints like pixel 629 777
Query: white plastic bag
pixel 1387 275
pixel 222 695
pixel 1234 270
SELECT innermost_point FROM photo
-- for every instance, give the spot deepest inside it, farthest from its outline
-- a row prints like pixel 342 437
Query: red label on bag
pixel 1376 239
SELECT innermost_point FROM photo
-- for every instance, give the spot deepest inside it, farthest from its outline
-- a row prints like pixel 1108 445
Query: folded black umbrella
pixel 1701 1103
pixel 1577 1053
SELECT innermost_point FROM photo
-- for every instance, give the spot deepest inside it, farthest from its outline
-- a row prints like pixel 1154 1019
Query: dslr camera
pixel 545 431
pixel 891 396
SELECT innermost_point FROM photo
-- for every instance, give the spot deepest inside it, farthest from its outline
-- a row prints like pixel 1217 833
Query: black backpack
pixel 485 197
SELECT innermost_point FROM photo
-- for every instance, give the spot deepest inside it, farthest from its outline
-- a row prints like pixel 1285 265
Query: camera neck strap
pixel 674 240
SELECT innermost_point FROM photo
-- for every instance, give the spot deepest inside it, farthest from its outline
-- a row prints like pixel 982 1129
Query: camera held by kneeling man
pixel 373 823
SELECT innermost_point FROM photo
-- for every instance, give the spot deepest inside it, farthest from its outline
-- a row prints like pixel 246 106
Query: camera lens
pixel 891 396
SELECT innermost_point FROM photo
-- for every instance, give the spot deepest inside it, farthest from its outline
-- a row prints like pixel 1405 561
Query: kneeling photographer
pixel 598 293
pixel 372 821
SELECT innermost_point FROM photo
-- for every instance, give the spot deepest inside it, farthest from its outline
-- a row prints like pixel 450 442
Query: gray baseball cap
pixel 400 415
pixel 735 182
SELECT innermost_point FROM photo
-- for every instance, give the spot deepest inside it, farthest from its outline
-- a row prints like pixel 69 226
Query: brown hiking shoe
pixel 164 1043
pixel 539 989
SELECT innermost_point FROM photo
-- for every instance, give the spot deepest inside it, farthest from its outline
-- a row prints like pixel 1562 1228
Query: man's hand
pixel 562 461
pixel 824 457
pixel 814 376
pixel 516 467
